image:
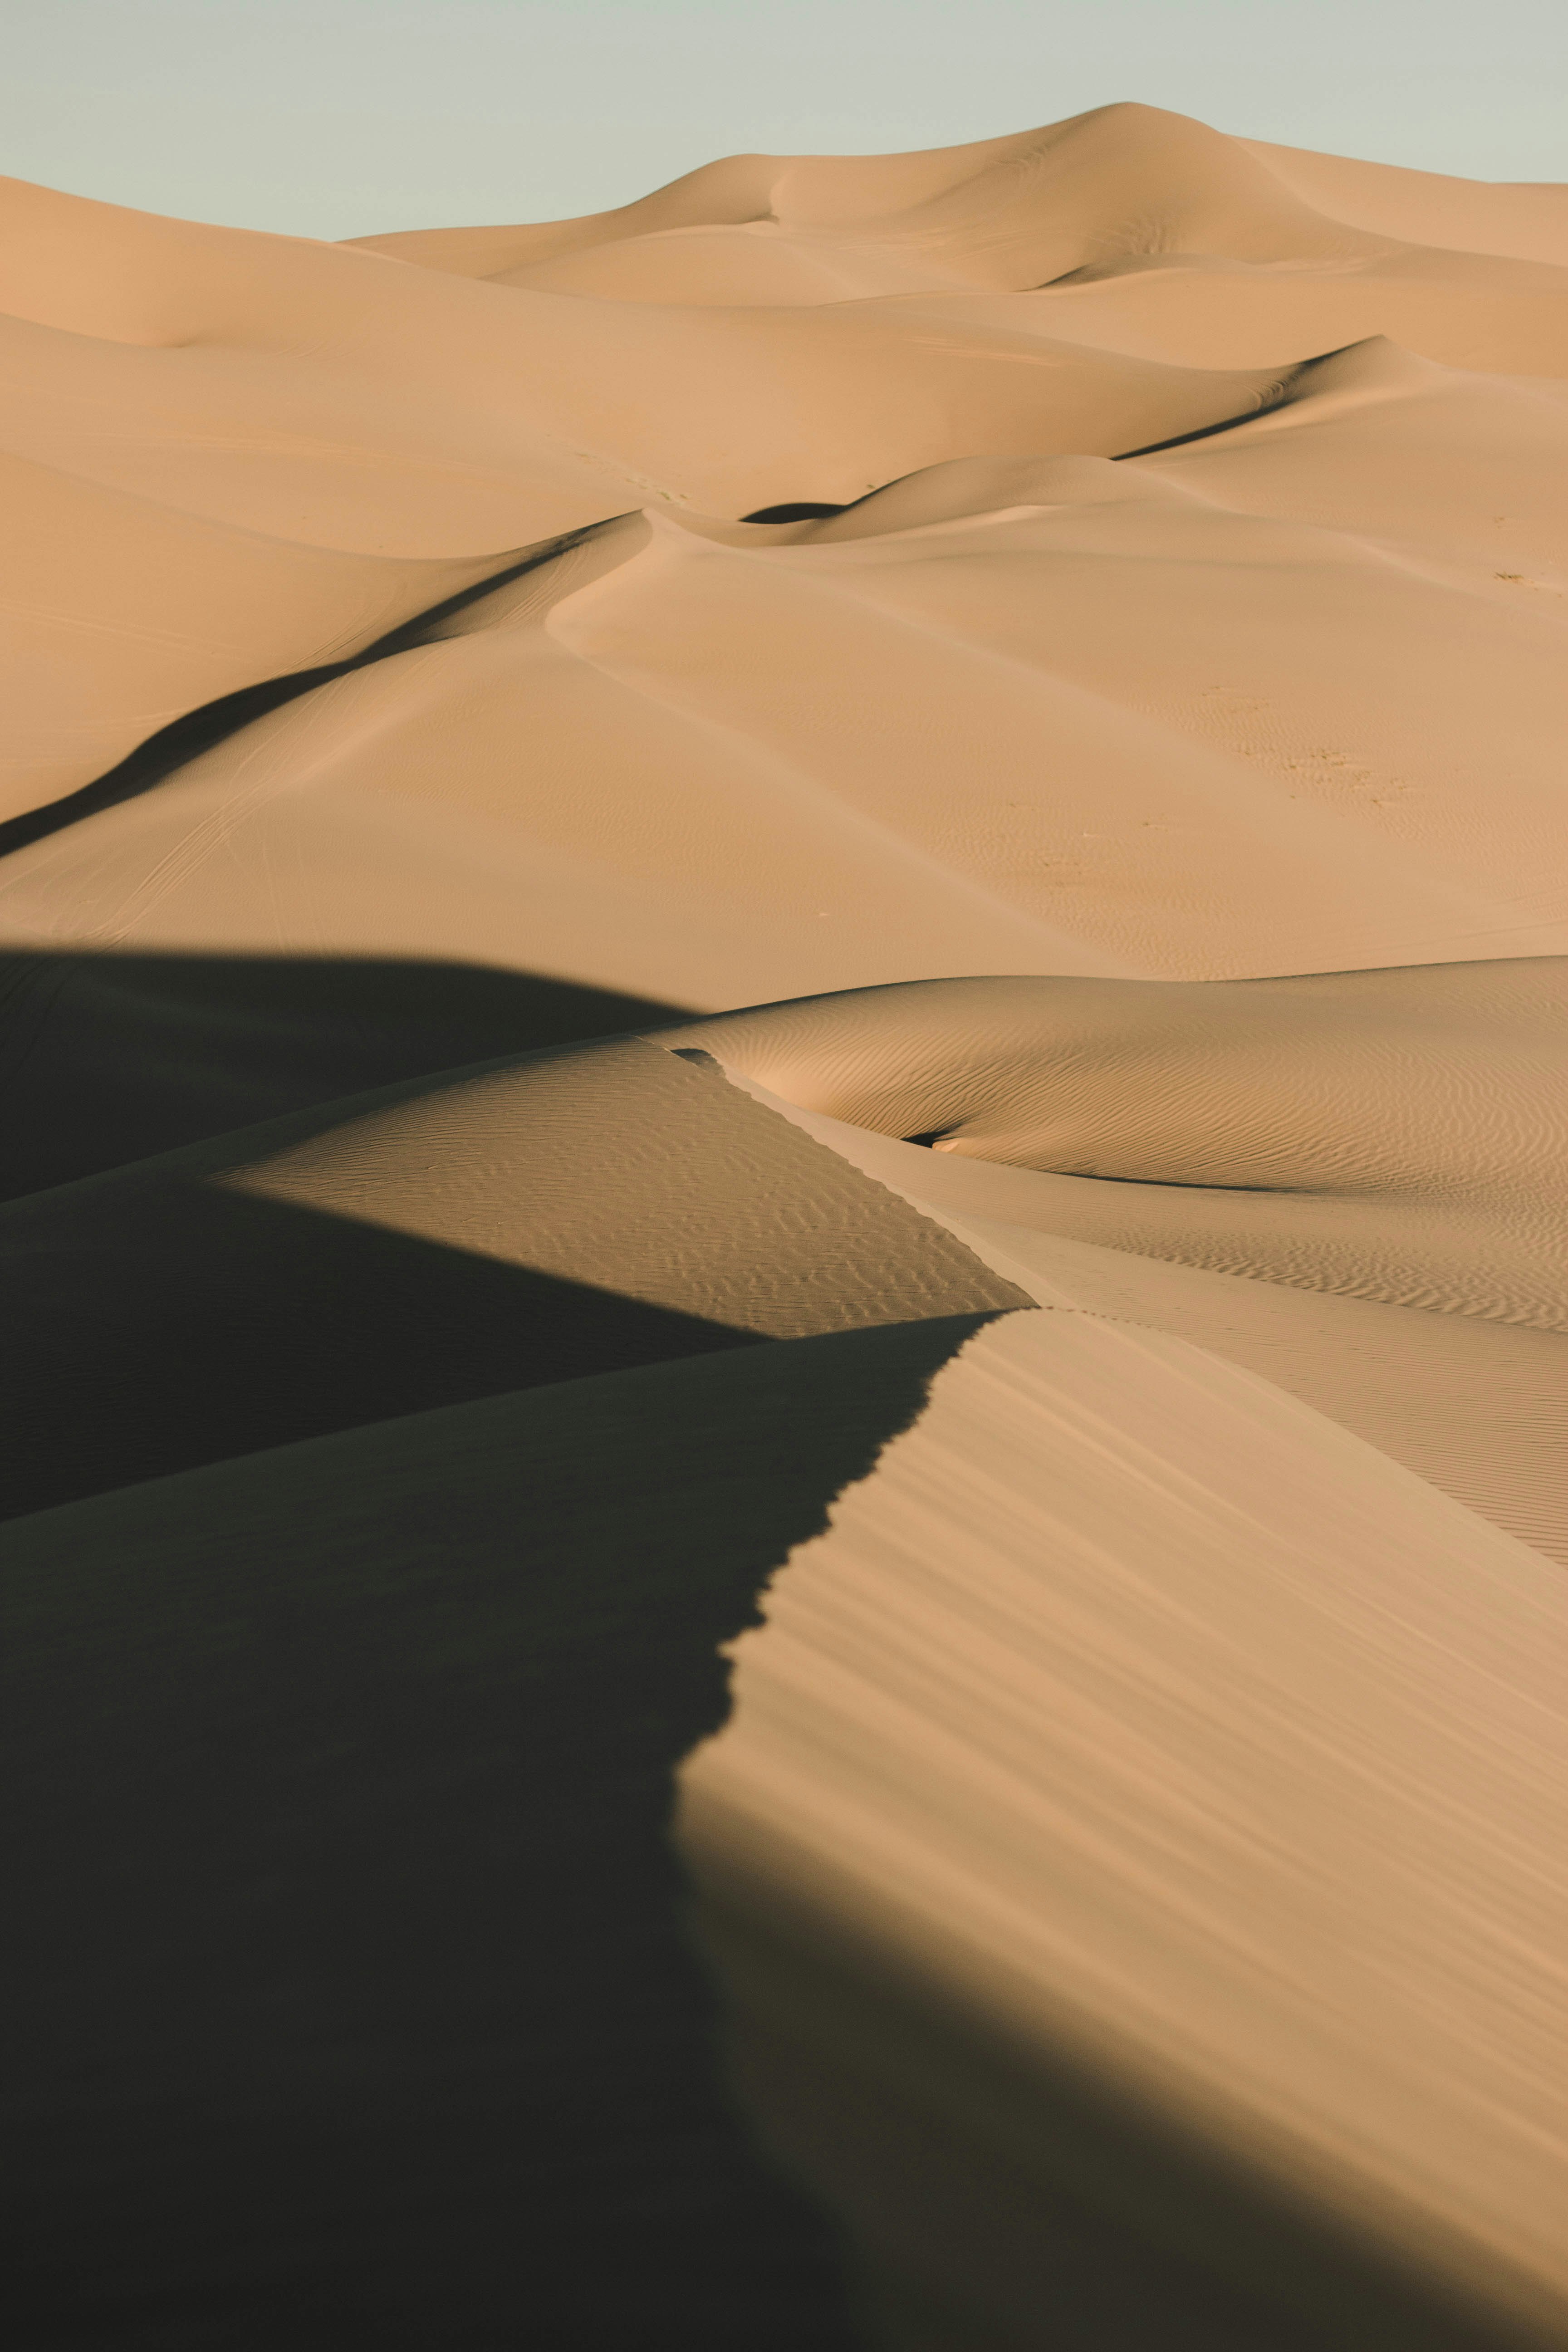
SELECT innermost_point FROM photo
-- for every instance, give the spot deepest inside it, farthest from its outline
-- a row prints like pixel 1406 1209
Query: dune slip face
pixel 784 1037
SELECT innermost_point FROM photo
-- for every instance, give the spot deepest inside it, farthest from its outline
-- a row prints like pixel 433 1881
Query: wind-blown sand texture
pixel 783 1010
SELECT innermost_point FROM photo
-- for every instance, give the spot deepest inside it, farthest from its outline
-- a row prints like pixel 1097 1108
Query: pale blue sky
pixel 336 117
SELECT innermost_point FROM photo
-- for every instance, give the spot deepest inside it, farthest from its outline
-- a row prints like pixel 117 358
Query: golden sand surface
pixel 784 1014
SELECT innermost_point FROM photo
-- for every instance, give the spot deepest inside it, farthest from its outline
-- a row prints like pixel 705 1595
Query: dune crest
pixel 783 993
pixel 981 1745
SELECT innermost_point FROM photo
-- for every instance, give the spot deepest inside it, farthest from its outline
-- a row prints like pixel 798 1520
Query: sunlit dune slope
pixel 123 613
pixel 1260 702
pixel 1529 223
pixel 1147 1797
pixel 1378 1155
pixel 1401 1135
pixel 488 1231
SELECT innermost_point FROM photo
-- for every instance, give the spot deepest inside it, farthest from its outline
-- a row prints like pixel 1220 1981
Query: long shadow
pixel 815 510
pixel 185 739
pixel 1287 396
pixel 1200 433
pixel 170 1310
pixel 796 510
pixel 107 1058
pixel 347 1985
pixel 179 1323
pixel 349 1990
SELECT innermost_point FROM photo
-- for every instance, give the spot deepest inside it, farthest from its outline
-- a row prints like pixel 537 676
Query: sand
pixel 782 988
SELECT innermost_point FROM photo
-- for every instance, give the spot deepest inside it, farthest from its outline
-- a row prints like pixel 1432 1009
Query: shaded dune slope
pixel 111 1058
pixel 786 1309
pixel 486 1231
pixel 359 2009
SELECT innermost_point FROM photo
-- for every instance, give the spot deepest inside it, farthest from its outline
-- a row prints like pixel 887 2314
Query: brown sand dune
pixel 1396 1135
pixel 526 1222
pixel 281 384
pixel 1427 207
pixel 1012 211
pixel 1287 773
pixel 1390 1142
pixel 1253 241
pixel 1478 1406
pixel 543 1640
pixel 111 1058
pixel 122 615
pixel 1203 1755
pixel 572 409
pixel 858 876
pixel 1026 210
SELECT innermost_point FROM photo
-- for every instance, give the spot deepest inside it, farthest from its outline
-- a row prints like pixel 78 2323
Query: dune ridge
pixel 783 992
pixel 895 1771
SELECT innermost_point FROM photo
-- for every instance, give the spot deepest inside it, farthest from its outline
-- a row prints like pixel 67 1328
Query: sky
pixel 341 118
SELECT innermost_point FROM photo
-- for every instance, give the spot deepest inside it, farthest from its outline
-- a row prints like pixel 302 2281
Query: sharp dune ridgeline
pixel 784 1022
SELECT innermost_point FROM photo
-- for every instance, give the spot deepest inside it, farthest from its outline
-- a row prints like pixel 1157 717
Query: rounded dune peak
pixel 1373 370
pixel 729 192
pixel 959 489
pixel 1376 363
pixel 1022 210
pixel 1121 180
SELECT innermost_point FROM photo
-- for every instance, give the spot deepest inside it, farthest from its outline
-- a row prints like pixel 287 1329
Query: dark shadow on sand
pixel 106 1058
pixel 796 510
pixel 349 1998
pixel 1205 432
pixel 181 1323
pixel 186 738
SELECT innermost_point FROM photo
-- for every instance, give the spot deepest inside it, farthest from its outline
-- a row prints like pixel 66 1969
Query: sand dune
pixel 1427 207
pixel 125 615
pixel 1039 1724
pixel 783 981
pixel 1391 1135
pixel 1235 707
pixel 1397 1341
pixel 456 1237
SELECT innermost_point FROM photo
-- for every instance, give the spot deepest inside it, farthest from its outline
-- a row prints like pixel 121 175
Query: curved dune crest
pixel 783 993
pixel 1395 1136
pixel 1339 249
pixel 1339 1312
pixel 1427 207
pixel 122 614
pixel 1450 1079
pixel 466 1234
pixel 1253 703
pixel 1035 1734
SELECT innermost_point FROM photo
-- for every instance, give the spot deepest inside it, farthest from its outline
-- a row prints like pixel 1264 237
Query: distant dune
pixel 784 1008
